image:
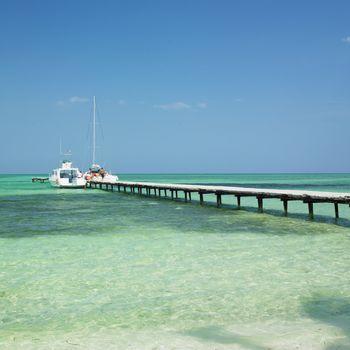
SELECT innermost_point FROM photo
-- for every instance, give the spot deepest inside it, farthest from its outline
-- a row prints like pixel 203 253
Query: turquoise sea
pixel 88 269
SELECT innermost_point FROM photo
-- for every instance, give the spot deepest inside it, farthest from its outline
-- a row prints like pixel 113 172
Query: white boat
pixel 67 177
pixel 96 172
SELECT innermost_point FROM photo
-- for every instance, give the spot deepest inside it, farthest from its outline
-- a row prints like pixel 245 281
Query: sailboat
pixel 96 172
pixel 66 176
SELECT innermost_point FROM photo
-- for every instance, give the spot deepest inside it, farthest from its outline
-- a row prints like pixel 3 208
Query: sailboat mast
pixel 94 132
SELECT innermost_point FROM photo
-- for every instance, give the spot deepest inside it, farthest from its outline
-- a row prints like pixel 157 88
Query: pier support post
pixel 159 192
pixel 165 194
pixel 176 194
pixel 100 186
pixel 189 196
pixel 336 209
pixel 172 194
pixel 218 200
pixel 239 202
pixel 185 193
pixel 311 209
pixel 285 207
pixel 201 198
pixel 260 203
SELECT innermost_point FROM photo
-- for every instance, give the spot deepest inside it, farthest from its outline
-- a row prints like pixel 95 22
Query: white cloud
pixel 77 99
pixel 73 99
pixel 174 106
pixel 346 40
pixel 202 105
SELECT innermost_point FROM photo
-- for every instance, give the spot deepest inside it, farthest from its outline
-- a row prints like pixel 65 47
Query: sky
pixel 185 86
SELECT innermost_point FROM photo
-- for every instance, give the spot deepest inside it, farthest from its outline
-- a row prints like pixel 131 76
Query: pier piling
pixel 260 203
pixel 311 209
pixel 336 209
pixel 285 206
pixel 238 201
pixel 218 200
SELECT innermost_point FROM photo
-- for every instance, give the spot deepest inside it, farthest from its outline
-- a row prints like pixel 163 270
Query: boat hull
pixel 107 178
pixel 67 186
pixel 57 183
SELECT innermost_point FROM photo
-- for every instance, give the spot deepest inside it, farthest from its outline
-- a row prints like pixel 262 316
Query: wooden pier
pixel 172 191
pixel 40 179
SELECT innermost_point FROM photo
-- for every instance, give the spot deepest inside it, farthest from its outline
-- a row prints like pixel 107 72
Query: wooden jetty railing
pixel 308 197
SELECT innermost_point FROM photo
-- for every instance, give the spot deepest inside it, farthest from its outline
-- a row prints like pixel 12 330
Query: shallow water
pixel 97 270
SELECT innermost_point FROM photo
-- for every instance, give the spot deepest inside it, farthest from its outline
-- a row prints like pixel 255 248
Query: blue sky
pixel 181 86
